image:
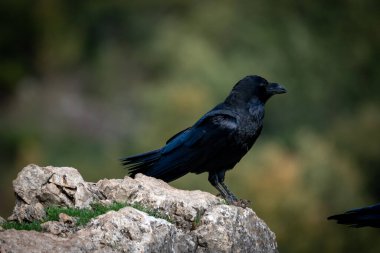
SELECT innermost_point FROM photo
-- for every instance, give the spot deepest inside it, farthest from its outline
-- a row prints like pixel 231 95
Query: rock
pixel 32 241
pixel 64 218
pixel 39 187
pixel 131 230
pixel 239 229
pixel 64 227
pixel 199 222
pixel 127 230
pixel 57 228
pixel 2 220
pixel 27 212
pixel 181 206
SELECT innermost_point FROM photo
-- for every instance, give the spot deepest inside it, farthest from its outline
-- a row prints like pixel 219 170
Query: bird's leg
pixel 228 191
pixel 213 178
pixel 220 176
pixel 216 179
pixel 237 202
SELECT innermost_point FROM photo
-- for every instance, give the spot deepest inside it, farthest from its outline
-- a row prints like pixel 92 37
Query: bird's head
pixel 254 87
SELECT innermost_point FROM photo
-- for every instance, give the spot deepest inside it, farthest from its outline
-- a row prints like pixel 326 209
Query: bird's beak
pixel 275 88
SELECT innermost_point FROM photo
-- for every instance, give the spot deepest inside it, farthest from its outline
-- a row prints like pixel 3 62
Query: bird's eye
pixel 263 84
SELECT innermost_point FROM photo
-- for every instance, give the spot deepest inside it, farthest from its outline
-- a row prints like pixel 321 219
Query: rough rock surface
pixel 182 206
pixel 39 187
pixel 199 221
pixel 2 220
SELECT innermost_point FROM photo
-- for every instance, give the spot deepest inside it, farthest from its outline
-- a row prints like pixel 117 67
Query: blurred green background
pixel 83 83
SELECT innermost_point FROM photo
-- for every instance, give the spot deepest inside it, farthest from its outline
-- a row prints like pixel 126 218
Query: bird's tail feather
pixel 141 163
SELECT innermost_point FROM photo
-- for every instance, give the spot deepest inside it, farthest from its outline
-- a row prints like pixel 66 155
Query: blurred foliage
pixel 83 83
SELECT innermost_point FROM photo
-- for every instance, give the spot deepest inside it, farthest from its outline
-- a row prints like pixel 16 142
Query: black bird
pixel 216 142
pixel 360 217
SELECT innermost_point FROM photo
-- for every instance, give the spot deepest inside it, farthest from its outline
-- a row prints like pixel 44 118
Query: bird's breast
pixel 250 125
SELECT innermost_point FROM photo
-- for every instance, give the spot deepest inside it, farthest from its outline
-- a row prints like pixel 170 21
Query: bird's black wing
pixel 189 150
pixel 177 134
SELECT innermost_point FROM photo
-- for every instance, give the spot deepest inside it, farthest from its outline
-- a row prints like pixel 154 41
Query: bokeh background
pixel 83 83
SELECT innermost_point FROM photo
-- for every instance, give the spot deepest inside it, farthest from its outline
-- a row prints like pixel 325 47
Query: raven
pixel 361 217
pixel 216 142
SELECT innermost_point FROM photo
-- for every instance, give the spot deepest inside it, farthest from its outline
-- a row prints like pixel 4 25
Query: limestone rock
pixel 199 222
pixel 58 228
pixel 181 206
pixel 239 229
pixel 131 230
pixel 64 218
pixel 2 220
pixel 39 187
pixel 64 227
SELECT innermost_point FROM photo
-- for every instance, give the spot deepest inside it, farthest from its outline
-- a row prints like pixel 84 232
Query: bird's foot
pixel 244 203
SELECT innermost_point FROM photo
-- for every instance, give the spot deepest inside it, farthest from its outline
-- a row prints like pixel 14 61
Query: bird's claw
pixel 244 203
